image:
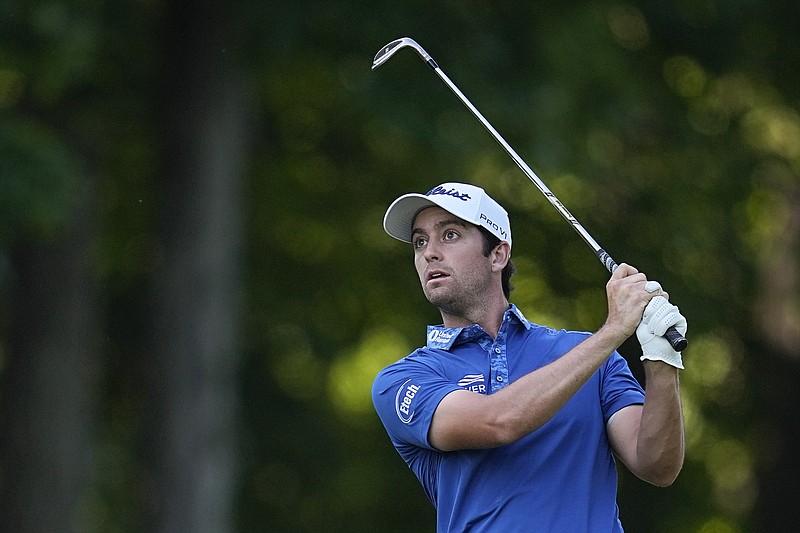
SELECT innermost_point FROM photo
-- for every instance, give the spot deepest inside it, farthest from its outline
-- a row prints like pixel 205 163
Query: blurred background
pixel 196 291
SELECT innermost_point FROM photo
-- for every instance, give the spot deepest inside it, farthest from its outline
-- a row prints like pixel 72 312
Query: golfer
pixel 511 426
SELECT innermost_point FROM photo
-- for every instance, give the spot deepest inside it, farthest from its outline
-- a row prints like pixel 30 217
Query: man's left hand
pixel 658 316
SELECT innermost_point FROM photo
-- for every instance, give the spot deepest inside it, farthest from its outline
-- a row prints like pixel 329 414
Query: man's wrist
pixel 614 334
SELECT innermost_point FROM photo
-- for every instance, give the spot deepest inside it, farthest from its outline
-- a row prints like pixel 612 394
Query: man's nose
pixel 432 252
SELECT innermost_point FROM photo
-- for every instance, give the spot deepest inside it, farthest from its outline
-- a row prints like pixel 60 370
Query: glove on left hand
pixel 658 316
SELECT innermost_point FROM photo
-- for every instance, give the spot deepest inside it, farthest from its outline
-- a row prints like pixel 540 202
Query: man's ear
pixel 500 256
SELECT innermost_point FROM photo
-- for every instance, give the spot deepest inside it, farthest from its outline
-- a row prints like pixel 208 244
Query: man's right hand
pixel 627 297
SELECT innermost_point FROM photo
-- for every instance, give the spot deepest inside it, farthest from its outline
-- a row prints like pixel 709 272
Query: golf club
pixel 674 337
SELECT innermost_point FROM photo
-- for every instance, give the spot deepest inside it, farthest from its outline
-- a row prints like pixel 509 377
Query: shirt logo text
pixel 405 394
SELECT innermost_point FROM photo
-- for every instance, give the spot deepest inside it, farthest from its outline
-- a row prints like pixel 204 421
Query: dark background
pixel 197 292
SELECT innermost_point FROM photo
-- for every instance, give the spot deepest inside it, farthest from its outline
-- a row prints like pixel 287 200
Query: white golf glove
pixel 658 316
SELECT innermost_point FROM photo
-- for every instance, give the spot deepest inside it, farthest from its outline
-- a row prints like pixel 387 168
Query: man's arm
pixel 649 439
pixel 466 420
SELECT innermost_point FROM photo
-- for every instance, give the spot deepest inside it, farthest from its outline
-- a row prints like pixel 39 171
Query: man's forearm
pixel 660 446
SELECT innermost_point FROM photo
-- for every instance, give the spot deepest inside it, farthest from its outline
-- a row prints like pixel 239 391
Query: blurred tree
pixel 47 417
pixel 50 307
pixel 133 151
pixel 193 366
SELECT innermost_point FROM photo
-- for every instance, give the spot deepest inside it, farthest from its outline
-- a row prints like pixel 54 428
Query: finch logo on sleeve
pixel 403 400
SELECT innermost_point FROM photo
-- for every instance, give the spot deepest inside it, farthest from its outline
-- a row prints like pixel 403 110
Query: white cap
pixel 467 202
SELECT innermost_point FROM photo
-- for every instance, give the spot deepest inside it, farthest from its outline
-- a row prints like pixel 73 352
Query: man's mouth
pixel 436 274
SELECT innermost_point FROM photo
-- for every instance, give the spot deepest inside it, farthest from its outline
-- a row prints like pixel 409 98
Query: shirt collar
pixel 444 338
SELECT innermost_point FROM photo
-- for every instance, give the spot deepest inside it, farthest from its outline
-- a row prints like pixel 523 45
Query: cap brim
pixel 399 218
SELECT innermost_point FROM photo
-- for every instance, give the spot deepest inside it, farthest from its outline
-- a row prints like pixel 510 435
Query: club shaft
pixel 674 337
pixel 601 254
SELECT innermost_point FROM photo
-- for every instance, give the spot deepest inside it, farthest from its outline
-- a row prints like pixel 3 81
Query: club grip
pixel 675 339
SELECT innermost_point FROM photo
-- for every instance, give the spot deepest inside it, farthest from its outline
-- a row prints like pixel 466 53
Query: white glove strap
pixel 672 357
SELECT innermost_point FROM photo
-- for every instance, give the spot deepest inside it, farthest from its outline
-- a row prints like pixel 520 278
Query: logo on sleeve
pixel 403 401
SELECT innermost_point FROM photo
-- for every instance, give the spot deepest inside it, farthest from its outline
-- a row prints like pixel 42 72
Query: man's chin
pixel 445 305
pixel 436 297
pixel 436 302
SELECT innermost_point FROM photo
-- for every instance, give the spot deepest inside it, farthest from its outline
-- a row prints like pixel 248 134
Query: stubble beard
pixel 458 301
pixel 448 304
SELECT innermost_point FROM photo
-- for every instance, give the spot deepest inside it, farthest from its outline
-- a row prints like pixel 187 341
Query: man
pixel 511 426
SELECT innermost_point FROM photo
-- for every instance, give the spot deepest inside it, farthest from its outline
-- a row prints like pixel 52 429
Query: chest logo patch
pixel 474 383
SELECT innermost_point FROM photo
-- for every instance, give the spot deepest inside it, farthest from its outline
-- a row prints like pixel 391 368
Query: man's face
pixel 448 255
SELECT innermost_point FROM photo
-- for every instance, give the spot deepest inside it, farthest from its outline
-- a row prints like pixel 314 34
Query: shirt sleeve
pixel 619 387
pixel 405 396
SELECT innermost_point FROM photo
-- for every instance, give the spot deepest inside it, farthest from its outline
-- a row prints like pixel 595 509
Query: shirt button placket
pixel 499 367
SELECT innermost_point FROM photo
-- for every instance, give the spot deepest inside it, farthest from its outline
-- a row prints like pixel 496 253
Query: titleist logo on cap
pixel 449 192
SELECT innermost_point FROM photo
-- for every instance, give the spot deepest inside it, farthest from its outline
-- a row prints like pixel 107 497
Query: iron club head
pixel 388 51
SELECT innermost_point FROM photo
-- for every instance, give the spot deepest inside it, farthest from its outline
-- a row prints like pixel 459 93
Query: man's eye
pixel 419 242
pixel 450 234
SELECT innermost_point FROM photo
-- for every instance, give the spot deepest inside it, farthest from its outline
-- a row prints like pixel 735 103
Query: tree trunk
pixel 47 400
pixel 192 439
pixel 778 364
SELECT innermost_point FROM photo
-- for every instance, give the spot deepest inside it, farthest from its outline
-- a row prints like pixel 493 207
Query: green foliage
pixel 40 178
pixel 670 130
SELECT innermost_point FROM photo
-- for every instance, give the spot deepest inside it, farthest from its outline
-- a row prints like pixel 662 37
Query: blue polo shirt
pixel 560 478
